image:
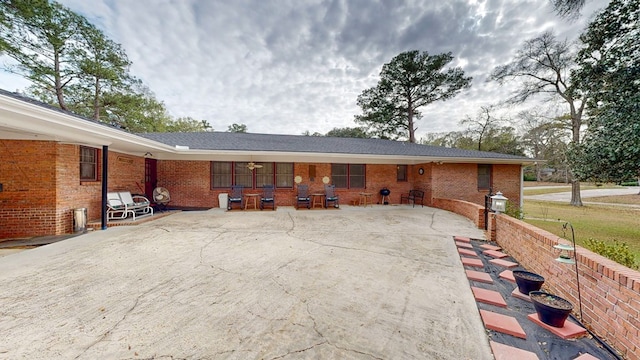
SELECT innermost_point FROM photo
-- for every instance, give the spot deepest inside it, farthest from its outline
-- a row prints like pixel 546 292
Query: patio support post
pixel 105 173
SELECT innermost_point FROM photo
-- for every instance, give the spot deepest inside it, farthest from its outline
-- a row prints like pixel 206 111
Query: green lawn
pixel 562 188
pixel 604 223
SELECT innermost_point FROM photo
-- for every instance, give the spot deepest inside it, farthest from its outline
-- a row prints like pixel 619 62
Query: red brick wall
pixel 610 292
pixel 41 181
pixel 189 183
pixel 472 211
pixel 28 201
pixel 460 181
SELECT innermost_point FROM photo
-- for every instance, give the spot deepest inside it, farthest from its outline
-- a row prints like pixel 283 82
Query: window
pixel 264 175
pixel 221 174
pixel 484 176
pixel 348 176
pixel 284 175
pixel 242 175
pixel 225 174
pixel 88 164
pixel 402 173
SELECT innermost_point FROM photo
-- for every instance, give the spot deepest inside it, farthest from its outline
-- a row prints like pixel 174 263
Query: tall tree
pixel 543 66
pixel 609 65
pixel 546 138
pixel 408 82
pixel 103 68
pixel 41 38
pixel 482 124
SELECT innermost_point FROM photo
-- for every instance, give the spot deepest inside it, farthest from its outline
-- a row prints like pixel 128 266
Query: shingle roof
pixel 314 144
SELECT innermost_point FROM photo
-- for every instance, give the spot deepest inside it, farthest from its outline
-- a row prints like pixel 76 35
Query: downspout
pixel 105 177
pixel 521 188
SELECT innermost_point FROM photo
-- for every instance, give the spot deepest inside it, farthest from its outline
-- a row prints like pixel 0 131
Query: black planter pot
pixel 528 281
pixel 551 309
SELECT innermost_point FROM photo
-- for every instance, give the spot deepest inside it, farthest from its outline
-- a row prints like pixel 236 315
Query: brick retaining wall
pixel 610 292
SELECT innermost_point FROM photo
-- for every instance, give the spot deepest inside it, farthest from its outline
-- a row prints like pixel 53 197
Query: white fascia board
pixel 38 122
pixel 303 157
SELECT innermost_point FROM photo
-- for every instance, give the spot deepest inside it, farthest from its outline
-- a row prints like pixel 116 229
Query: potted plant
pixel 551 309
pixel 528 281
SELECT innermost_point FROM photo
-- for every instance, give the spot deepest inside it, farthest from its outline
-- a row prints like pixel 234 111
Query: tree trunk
pixel 412 135
pixel 58 81
pixel 96 96
pixel 576 199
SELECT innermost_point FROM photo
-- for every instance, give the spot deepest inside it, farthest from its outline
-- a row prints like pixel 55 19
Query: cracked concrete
pixel 383 282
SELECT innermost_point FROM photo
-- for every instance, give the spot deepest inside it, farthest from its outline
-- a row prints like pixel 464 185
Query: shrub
pixel 616 251
pixel 529 177
pixel 514 211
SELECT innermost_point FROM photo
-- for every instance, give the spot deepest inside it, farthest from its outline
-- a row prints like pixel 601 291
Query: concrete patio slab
pixel 381 282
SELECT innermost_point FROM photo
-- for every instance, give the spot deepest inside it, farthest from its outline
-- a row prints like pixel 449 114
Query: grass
pixel 601 222
pixel 558 188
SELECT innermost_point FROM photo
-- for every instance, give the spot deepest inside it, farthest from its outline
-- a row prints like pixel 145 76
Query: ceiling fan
pixel 251 165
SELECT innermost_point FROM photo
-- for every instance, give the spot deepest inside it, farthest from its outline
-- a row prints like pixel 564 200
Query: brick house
pixel 53 162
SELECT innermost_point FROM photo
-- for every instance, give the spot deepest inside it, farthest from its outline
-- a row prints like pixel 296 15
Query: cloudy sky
pixel 287 66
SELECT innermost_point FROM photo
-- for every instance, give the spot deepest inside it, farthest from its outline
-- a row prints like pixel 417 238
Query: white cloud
pixel 290 66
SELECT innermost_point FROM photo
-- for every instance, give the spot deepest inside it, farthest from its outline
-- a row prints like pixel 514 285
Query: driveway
pixel 584 194
pixel 383 282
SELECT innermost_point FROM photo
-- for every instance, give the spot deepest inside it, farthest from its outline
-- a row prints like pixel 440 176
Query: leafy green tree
pixel 350 132
pixel 41 38
pixel 237 128
pixel 543 66
pixel 452 139
pixel 502 140
pixel 546 138
pixel 188 124
pixel 136 110
pixel 408 82
pixel 609 65
pixel 104 69
pixel 308 133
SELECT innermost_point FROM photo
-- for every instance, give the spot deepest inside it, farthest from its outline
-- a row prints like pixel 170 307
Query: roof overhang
pixel 269 156
pixel 22 120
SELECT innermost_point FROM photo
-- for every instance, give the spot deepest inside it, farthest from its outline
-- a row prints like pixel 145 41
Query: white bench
pixel 122 204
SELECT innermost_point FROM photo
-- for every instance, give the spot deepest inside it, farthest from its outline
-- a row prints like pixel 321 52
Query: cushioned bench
pixel 413 197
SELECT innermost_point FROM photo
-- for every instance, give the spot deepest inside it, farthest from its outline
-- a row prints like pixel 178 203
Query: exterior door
pixel 150 177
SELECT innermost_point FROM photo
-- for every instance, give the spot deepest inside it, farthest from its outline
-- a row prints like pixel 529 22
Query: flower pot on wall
pixel 528 281
pixel 551 309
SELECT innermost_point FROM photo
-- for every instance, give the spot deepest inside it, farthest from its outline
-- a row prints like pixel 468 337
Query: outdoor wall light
pixel 498 203
pixel 565 256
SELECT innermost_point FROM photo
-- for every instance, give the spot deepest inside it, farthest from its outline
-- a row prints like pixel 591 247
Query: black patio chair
pixel 268 197
pixel 331 196
pixel 303 196
pixel 236 196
